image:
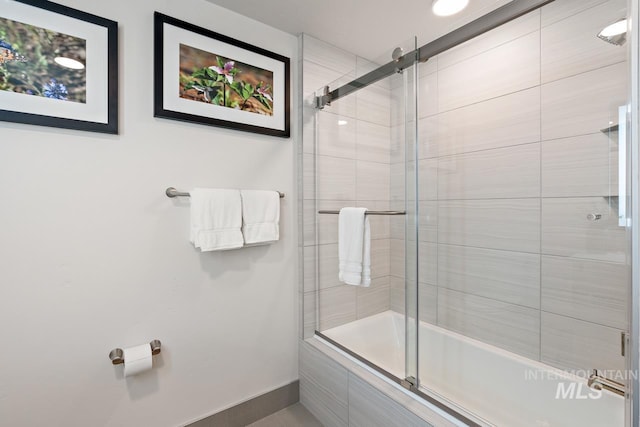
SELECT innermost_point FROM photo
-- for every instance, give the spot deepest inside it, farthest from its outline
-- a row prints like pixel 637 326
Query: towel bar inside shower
pixel 368 212
pixel 172 192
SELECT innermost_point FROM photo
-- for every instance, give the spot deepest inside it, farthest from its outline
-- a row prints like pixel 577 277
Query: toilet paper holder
pixel 117 354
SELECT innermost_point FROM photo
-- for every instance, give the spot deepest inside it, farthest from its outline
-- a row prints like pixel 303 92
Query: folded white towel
pixel 216 219
pixel 354 247
pixel 260 217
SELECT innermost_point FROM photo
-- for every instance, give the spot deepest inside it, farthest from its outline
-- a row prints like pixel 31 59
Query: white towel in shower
pixel 216 219
pixel 260 217
pixel 354 247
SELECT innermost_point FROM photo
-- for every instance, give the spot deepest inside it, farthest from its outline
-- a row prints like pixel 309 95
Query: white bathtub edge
pixel 410 401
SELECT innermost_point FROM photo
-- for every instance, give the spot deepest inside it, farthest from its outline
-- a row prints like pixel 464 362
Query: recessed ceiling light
pixel 342 122
pixel 448 7
pixel 69 63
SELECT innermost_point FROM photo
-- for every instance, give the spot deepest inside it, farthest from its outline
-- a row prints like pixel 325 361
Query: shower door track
pixel 491 20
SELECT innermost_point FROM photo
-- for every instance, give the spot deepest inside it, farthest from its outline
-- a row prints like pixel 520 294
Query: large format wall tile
pixel 324 387
pixel 571 47
pixel 580 166
pixel 427 303
pixel 500 173
pixel 574 344
pixel 380 225
pixel 478 45
pixel 516 63
pixel 567 231
pixel 424 69
pixel 428 222
pixel 308 176
pixel 397 177
pixel 373 105
pixel 328 266
pixel 309 222
pixel 380 258
pixel 512 327
pixel 428 263
pixel 427 98
pixel 373 142
pixel 558 10
pixel 316 77
pixel 397 290
pixel 507 276
pixel 428 179
pixel 329 56
pixel 309 254
pixel 587 290
pixel 397 149
pixel 344 107
pixel 500 122
pixel 336 178
pixel 373 181
pixel 337 306
pixel 397 247
pixel 374 299
pixel 336 135
pixel 510 224
pixel 397 222
pixel 585 103
pixel 307 112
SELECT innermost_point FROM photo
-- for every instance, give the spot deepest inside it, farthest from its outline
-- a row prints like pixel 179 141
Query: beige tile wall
pixel 511 162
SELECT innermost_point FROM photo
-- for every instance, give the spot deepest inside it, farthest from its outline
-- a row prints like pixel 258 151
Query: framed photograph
pixel 58 67
pixel 205 77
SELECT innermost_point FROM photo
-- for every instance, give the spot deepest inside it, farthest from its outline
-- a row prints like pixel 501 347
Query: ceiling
pixel 369 28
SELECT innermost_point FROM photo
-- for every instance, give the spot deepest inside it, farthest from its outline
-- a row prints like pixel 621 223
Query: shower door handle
pixel 622 166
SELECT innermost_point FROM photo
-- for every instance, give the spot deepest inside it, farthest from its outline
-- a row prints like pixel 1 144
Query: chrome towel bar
pixel 368 212
pixel 172 192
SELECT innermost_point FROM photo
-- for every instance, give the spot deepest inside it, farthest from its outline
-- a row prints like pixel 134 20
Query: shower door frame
pixel 633 124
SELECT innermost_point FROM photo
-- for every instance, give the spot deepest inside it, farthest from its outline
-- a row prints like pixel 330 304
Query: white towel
pixel 260 217
pixel 216 219
pixel 354 247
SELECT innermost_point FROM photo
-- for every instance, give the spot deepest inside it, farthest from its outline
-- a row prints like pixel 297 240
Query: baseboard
pixel 253 410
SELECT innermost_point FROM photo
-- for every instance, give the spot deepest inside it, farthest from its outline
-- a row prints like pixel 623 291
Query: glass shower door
pixel 360 159
pixel 523 233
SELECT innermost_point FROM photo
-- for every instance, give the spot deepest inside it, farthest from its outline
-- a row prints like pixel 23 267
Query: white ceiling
pixel 369 28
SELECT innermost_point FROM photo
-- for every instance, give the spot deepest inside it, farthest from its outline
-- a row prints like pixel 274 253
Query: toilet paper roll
pixel 137 359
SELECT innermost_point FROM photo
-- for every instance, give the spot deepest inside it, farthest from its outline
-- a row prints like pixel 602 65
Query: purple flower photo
pixel 224 82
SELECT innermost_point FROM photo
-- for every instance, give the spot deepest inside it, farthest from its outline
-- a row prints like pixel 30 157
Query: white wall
pixel 94 256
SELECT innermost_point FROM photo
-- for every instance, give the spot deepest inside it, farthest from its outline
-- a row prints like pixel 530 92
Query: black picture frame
pixel 167 75
pixel 106 110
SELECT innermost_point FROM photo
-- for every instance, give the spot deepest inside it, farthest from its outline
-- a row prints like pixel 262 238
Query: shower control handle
pixel 594 216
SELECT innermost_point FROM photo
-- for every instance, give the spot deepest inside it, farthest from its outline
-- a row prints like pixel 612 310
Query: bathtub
pixel 488 385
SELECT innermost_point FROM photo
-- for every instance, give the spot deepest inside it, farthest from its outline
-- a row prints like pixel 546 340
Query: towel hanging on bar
pixel 172 192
